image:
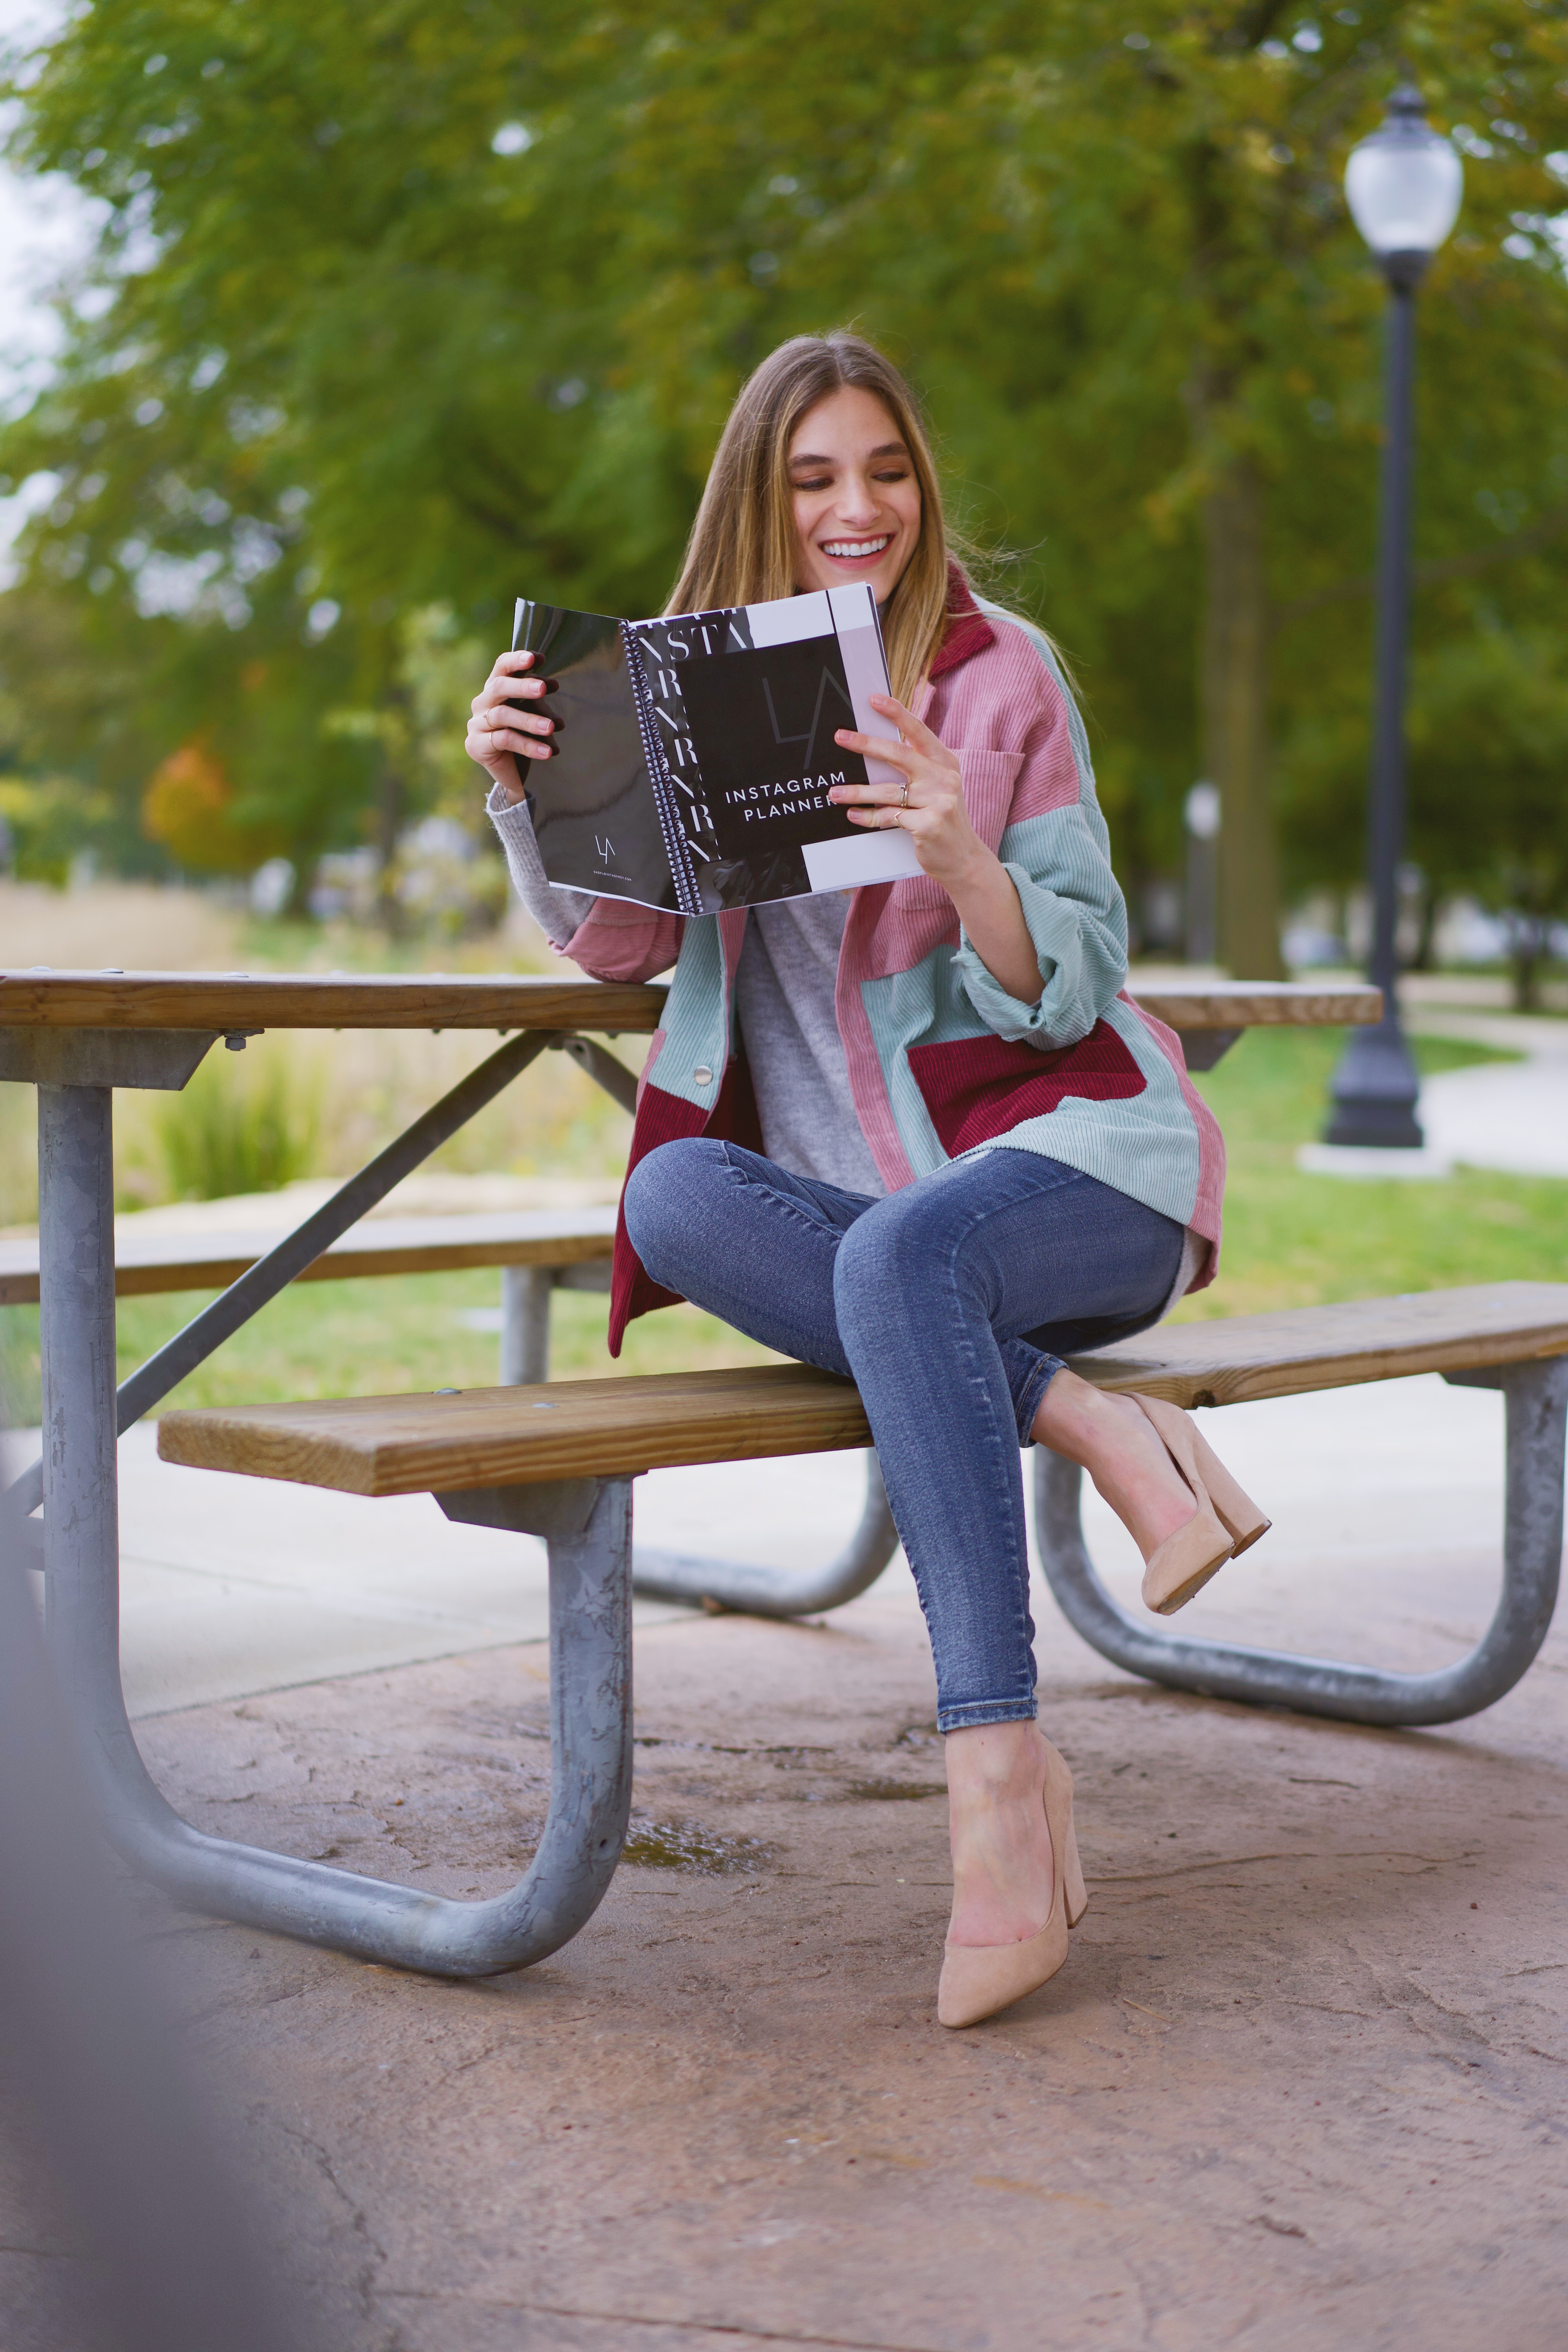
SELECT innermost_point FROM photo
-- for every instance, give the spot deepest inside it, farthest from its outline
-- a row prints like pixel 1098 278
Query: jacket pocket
pixel 978 1087
pixel 988 781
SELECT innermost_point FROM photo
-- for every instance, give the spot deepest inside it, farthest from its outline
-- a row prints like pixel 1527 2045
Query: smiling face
pixel 854 492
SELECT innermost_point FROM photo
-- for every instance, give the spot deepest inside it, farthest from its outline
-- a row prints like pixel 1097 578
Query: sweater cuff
pixel 558 913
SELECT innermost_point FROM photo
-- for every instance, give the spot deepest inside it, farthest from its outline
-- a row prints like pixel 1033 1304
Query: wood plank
pixel 253 1002
pixel 1258 1003
pixel 1245 1356
pixel 152 1264
pixel 516 1436
pixel 573 1429
pixel 229 1001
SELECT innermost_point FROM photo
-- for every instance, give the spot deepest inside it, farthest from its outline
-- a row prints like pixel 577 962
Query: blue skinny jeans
pixel 951 1304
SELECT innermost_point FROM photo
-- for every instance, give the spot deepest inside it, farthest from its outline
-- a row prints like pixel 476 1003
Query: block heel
pixel 1232 1505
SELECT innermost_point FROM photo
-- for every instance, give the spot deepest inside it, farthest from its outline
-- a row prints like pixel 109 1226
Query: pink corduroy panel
pixel 1207 1208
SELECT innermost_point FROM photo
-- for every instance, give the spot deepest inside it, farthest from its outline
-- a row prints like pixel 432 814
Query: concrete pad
pixel 1298 2087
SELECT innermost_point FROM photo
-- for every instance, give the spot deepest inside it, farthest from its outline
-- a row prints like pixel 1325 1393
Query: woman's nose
pixel 857 503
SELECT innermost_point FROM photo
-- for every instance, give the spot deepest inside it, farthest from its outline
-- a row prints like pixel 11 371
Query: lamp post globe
pixel 1402 185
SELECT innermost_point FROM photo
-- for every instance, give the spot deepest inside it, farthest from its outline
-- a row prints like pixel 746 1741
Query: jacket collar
pixel 968 631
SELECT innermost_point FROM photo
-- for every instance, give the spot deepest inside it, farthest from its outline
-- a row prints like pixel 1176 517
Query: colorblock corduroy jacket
pixel 942 1060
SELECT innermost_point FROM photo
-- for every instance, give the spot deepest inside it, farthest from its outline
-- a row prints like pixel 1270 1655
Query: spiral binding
pixel 671 832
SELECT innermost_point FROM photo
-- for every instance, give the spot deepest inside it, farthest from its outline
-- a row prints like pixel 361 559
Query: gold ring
pixel 904 794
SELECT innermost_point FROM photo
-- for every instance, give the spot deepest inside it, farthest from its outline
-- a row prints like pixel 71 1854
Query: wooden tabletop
pixel 42 999
pixel 1258 1003
pixel 313 1000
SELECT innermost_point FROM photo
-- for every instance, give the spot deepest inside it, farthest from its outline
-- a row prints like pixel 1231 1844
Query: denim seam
pixel 1009 1471
pixel 1040 1381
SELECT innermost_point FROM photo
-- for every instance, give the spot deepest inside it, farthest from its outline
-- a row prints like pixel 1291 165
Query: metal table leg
pixel 218 1321
pixel 587 1524
pixel 1537 1406
pixel 779 1591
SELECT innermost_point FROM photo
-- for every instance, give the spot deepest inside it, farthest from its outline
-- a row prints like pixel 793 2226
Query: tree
pixel 404 307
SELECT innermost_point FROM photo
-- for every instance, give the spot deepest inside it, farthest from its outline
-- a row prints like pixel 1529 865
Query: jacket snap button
pixel 703 1074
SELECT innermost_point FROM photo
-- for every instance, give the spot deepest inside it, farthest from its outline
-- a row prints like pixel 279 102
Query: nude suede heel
pixel 978 1979
pixel 1227 1521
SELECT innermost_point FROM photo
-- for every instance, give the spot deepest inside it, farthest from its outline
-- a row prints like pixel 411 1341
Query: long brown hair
pixel 742 549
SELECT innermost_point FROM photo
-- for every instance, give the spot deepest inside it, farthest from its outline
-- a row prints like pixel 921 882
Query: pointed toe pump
pixel 1226 1522
pixel 978 1979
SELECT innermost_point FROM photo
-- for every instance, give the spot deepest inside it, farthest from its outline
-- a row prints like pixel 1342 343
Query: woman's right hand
pixel 499 736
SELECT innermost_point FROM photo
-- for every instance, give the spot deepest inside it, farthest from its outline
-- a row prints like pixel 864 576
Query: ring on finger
pixel 904 794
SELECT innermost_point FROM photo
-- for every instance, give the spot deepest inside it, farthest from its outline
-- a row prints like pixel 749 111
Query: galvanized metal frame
pixel 586 1524
pixel 778 1591
pixel 1536 1397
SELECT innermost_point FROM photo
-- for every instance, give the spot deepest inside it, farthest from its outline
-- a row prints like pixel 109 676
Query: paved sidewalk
pixel 1506 1115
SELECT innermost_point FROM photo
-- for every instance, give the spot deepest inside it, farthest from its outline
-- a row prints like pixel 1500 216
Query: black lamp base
pixel 1376 1092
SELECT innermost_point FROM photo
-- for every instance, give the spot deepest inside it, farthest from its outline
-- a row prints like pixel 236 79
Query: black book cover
pixel 693 754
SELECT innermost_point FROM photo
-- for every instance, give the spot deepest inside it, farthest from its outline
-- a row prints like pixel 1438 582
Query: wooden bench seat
pixel 1510 1335
pixel 521 1436
pixel 149 1262
pixel 423 1444
pixel 558 1460
pixel 1243 1357
pixel 538 1251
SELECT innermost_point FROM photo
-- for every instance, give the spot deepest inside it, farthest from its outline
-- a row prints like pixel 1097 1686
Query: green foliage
pixel 48 821
pixel 246 1128
pixel 349 348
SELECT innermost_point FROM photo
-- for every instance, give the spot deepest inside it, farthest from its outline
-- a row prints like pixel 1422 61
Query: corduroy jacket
pixel 942 1060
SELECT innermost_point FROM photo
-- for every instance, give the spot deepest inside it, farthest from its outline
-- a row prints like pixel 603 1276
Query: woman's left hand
pixel 930 806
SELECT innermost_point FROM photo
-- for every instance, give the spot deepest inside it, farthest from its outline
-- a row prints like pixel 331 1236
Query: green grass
pixel 376 1337
pixel 1293 1240
pixel 1290 1240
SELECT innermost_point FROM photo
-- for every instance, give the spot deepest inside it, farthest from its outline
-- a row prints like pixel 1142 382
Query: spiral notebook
pixel 693 755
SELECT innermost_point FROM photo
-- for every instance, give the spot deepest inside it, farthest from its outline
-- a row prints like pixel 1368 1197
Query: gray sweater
pixel 783 1003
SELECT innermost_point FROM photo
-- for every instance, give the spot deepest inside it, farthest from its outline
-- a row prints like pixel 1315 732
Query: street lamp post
pixel 1403 186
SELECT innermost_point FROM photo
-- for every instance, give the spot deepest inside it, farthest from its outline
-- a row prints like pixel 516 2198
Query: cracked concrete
pixel 1301 2086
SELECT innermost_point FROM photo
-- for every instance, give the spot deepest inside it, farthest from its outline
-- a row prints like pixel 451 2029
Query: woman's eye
pixel 899 474
pixel 818 482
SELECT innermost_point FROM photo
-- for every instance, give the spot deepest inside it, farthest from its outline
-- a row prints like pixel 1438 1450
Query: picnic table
pixel 76 1036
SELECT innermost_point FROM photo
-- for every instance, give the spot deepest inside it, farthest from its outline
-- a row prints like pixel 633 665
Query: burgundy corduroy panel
pixel 667 1118
pixel 976 1087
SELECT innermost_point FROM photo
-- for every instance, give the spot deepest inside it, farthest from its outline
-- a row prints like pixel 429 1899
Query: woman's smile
pixel 855 550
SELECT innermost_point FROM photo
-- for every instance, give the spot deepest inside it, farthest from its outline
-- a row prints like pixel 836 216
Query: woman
pixel 915 1133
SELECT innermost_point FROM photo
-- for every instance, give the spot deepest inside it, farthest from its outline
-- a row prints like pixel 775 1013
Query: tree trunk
pixel 1527 950
pixel 389 808
pixel 1431 906
pixel 1234 688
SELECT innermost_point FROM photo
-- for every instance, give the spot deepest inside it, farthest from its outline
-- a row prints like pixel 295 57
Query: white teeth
pixel 856 546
